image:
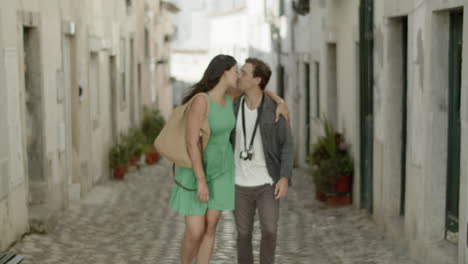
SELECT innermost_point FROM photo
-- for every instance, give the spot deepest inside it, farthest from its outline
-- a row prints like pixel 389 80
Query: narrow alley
pixel 376 92
pixel 125 222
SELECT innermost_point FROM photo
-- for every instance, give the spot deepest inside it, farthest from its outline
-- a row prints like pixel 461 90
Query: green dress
pixel 219 167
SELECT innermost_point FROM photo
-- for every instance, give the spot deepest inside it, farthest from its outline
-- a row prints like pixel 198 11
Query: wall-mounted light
pixel 69 28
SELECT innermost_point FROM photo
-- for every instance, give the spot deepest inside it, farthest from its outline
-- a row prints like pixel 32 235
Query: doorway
pixel 114 98
pixel 454 126
pixel 34 114
pixel 332 89
pixel 366 120
pixel 69 62
pixel 308 114
pixel 133 110
pixel 404 112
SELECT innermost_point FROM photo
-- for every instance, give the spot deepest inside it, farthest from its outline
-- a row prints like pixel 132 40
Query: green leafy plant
pixel 152 124
pixel 118 155
pixel 135 142
pixel 330 159
pixel 330 170
pixel 326 145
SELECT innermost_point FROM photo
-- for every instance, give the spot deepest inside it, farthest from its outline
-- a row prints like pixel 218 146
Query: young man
pixel 263 151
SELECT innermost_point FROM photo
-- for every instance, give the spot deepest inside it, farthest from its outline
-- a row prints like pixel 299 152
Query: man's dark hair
pixel 260 69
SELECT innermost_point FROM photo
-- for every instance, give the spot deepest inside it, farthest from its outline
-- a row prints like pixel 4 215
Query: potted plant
pixel 345 167
pixel 151 155
pixel 118 160
pixel 332 167
pixel 135 140
pixel 152 124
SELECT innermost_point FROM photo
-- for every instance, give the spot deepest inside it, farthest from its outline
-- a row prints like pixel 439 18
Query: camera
pixel 246 155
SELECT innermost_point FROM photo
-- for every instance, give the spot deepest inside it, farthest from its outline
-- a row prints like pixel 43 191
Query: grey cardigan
pixel 276 138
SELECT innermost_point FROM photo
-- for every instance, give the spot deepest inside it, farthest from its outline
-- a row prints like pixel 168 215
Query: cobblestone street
pixel 129 222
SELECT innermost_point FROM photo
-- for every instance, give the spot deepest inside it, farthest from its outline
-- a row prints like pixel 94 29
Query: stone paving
pixel 125 222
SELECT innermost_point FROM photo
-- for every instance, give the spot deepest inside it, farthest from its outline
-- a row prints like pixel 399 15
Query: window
pixel 94 86
pixel 307 107
pixel 281 8
pixel 128 3
pixel 317 89
pixel 302 7
pixel 147 44
pixel 123 68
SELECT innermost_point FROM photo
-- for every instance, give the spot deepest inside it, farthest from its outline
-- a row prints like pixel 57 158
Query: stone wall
pixel 73 72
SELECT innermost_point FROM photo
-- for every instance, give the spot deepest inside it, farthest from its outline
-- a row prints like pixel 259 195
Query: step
pixel 38 192
pixel 10 258
pixel 42 219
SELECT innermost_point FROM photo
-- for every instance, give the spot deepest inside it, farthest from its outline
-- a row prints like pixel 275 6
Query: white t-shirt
pixel 253 172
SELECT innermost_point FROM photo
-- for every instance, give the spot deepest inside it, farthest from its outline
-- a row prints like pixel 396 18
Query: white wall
pixel 77 131
pixel 423 226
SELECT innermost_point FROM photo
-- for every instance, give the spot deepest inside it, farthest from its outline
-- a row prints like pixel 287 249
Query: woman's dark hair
pixel 218 65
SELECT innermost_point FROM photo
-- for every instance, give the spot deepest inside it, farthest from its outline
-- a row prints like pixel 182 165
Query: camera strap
pixel 259 113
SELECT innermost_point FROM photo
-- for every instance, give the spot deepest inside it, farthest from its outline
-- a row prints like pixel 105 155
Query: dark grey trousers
pixel 248 200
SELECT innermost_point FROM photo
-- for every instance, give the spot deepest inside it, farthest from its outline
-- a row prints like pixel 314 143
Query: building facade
pixel 389 75
pixel 420 182
pixel 74 75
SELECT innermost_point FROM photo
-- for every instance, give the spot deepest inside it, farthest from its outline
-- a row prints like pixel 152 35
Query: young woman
pixel 212 176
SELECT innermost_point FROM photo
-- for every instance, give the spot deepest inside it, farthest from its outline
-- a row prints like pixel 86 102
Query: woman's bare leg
pixel 206 247
pixel 194 233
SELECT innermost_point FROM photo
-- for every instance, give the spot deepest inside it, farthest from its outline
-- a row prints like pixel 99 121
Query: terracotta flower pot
pixel 343 184
pixel 157 157
pixel 133 161
pixel 339 200
pixel 149 159
pixel 119 172
pixel 320 196
pixel 152 157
